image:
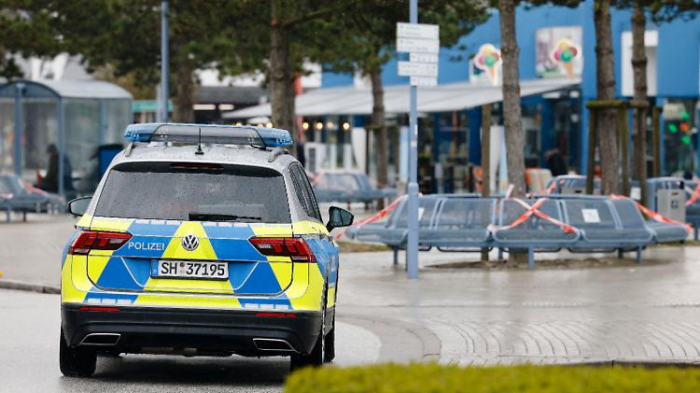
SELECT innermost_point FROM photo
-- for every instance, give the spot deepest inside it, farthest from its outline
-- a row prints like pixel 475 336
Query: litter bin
pixel 670 203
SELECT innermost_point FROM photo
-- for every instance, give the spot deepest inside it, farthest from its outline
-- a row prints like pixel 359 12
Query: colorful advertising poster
pixel 558 51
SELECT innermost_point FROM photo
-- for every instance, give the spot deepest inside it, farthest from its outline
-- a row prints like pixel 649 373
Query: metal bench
pixel 534 234
pixel 394 232
pixel 21 199
pixel 461 224
pixel 603 230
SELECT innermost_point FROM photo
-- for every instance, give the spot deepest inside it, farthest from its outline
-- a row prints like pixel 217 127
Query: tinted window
pixel 313 206
pixel 305 192
pixel 176 192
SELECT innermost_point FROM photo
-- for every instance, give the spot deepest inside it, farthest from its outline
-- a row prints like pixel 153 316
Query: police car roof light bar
pixel 207 133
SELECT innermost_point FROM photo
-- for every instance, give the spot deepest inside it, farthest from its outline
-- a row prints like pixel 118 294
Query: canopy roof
pixel 442 98
pixel 66 89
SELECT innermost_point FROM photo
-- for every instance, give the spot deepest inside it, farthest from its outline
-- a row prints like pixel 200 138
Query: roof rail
pixel 207 133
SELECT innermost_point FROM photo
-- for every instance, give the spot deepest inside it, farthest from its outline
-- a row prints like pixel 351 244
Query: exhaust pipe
pixel 101 339
pixel 273 344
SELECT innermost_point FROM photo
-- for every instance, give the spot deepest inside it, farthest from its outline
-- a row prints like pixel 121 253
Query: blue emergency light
pixel 207 133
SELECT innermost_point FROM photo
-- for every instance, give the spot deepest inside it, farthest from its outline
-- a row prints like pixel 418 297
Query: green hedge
pixel 433 378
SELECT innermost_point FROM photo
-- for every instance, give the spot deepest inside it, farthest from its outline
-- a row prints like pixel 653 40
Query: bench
pixel 535 233
pixel 602 229
pixel 461 224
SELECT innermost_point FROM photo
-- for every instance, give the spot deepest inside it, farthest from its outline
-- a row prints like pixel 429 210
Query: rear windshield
pixel 171 191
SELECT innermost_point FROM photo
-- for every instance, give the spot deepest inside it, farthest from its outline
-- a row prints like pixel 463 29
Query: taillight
pixel 295 248
pixel 92 240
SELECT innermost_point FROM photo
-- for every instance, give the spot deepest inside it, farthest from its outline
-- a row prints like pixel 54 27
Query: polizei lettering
pixel 142 246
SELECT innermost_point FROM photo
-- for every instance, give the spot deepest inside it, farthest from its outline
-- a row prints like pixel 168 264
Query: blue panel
pixel 474 136
pixel 139 269
pixel 229 232
pixel 261 280
pixel 235 250
pixel 238 272
pixel 319 249
pixel 278 301
pixel 151 229
pixel 110 296
pixel 116 275
pixel 144 247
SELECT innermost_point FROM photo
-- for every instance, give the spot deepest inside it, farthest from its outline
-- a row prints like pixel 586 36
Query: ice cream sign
pixel 564 54
pixel 488 60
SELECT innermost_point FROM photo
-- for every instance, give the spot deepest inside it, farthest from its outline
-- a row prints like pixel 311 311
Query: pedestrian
pixel 50 181
pixel 555 162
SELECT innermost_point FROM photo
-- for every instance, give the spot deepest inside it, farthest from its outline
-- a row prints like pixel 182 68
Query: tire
pixel 318 353
pixel 329 353
pixel 76 362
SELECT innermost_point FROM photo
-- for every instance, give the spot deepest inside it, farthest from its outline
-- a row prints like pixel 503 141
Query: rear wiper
pixel 221 217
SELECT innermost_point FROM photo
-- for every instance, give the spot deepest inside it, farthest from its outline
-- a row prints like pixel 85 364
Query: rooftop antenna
pixel 199 150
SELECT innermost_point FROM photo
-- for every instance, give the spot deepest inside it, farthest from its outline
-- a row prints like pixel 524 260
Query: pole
pixel 61 148
pixel 19 128
pixel 412 246
pixel 165 60
pixel 624 138
pixel 656 140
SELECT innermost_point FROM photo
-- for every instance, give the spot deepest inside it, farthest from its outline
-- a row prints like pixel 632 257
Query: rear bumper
pixel 142 328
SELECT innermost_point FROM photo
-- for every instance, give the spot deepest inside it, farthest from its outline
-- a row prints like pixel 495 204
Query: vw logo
pixel 190 242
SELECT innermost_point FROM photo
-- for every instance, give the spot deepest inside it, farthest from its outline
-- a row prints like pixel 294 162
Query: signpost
pixel 164 63
pixel 422 42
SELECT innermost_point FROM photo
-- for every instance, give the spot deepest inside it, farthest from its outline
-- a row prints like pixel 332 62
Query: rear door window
pixel 195 192
pixel 305 192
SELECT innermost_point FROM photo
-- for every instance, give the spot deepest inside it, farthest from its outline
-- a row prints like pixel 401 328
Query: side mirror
pixel 79 206
pixel 339 218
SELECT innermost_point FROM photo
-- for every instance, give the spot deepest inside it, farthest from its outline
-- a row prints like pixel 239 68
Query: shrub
pixel 434 378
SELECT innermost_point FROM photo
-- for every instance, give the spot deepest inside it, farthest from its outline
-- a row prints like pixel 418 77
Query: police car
pixel 200 240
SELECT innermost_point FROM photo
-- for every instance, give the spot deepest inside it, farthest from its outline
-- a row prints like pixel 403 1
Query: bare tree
pixel 511 99
pixel 606 118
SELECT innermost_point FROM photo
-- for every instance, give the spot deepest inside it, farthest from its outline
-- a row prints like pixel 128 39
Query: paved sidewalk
pixel 470 316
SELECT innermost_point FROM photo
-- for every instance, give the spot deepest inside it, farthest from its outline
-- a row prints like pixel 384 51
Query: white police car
pixel 200 240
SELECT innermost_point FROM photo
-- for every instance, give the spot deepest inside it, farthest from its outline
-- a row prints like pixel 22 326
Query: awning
pixel 442 98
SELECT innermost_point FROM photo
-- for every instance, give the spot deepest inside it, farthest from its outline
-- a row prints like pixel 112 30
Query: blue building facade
pixel 674 53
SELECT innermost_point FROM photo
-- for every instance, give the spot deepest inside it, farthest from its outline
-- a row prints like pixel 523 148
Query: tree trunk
pixel 379 128
pixel 606 118
pixel 639 66
pixel 281 83
pixel 515 141
pixel 184 99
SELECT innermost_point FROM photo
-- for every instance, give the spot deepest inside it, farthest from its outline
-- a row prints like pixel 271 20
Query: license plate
pixel 190 269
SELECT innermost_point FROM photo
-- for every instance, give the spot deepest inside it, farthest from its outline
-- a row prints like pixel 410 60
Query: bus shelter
pixel 75 116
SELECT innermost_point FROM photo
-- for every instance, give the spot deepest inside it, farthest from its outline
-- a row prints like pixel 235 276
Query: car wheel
pixel 318 353
pixel 329 353
pixel 76 362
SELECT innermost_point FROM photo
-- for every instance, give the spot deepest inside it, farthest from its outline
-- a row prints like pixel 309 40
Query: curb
pixel 25 286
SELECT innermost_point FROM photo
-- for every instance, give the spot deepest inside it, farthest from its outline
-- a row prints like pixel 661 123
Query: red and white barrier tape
pixel 652 214
pixel 529 212
pixel 375 217
pixel 694 195
pixel 34 190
